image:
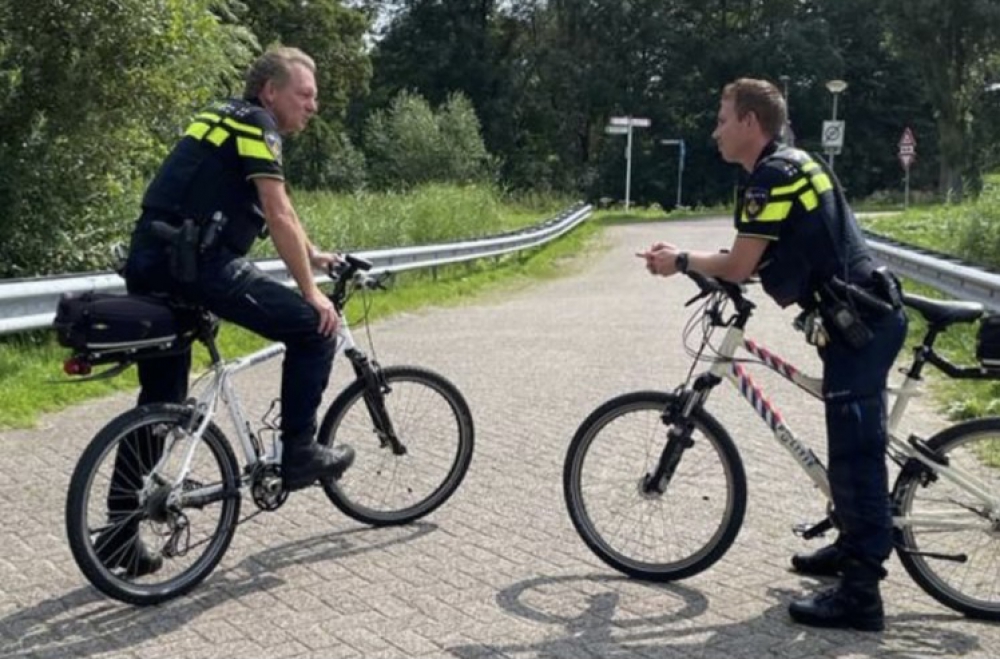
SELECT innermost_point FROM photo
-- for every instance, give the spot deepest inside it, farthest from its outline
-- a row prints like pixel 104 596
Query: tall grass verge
pixel 31 381
pixel 970 231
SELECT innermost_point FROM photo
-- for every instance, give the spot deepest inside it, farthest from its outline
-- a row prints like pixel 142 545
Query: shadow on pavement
pixel 614 617
pixel 84 622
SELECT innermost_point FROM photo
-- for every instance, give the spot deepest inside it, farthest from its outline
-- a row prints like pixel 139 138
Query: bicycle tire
pixel 971 587
pixel 433 422
pixel 615 447
pixel 92 486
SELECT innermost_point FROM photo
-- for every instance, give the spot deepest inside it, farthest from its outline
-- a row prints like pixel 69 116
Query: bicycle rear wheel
pixel 387 486
pixel 113 506
pixel 658 537
pixel 949 539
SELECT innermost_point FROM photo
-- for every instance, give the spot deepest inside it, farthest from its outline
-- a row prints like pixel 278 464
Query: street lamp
pixel 835 87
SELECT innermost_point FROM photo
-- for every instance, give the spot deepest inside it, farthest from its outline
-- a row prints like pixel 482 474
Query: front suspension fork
pixel 374 391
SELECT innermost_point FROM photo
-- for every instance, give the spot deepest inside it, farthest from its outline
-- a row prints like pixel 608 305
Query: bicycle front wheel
pixel 129 530
pixel 398 483
pixel 949 536
pixel 642 533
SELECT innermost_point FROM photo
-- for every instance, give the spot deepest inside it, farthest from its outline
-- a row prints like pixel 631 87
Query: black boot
pixel 303 463
pixel 853 604
pixel 119 546
pixel 825 562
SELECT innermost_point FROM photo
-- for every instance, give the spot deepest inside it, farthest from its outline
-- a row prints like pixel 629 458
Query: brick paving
pixel 498 571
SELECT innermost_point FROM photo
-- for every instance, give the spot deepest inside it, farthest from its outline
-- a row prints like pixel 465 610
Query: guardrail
pixel 947 274
pixel 27 304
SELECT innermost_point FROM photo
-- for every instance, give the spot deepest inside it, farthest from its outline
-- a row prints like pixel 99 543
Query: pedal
pixel 810 531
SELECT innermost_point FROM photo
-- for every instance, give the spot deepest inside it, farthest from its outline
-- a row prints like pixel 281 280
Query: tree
pixel 92 95
pixel 409 144
pixel 333 35
pixel 952 42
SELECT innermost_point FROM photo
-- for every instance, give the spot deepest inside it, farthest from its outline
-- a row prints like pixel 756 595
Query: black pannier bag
pixel 988 342
pixel 104 328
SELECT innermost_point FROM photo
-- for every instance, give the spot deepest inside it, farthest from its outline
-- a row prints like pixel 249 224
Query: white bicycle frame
pixel 220 387
pixel 725 367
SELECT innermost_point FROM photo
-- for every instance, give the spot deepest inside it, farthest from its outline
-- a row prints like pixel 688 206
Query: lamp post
pixel 835 87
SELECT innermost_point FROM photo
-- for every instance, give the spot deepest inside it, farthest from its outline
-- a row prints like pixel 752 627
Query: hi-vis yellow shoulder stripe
pixel 213 128
pixel 248 147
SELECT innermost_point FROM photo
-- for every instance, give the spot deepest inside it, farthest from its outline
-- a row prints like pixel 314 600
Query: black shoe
pixel 825 562
pixel 835 608
pixel 119 546
pixel 301 466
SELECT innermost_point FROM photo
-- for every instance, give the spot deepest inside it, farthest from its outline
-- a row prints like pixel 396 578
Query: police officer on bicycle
pixel 220 188
pixel 796 232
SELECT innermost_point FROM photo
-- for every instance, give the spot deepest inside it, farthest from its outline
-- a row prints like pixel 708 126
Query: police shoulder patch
pixel 273 142
pixel 754 200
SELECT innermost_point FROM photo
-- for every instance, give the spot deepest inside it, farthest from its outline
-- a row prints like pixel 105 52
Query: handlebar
pixel 351 268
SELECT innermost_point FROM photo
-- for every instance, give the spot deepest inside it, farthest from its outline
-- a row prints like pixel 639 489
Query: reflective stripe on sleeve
pixel 775 211
pixel 251 148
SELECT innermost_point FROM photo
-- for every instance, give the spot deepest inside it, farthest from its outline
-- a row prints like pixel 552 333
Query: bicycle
pixel 411 429
pixel 642 464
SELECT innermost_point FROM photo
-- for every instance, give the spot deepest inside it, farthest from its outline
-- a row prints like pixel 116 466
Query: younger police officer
pixel 795 230
pixel 227 171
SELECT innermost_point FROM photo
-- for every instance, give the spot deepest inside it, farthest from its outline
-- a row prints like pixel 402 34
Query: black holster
pixel 182 248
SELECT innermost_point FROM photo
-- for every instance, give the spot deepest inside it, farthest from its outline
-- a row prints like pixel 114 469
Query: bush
pixel 980 236
pixel 409 145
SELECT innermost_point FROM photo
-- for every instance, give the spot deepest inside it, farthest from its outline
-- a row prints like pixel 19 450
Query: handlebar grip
pixel 358 262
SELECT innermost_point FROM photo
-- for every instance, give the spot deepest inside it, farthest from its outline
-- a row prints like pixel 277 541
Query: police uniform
pixel 211 170
pixel 790 201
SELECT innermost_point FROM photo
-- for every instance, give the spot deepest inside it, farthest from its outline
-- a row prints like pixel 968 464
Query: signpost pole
pixel 906 193
pixel 623 126
pixel 628 166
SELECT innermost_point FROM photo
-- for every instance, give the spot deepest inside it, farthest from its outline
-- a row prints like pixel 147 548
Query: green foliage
pixel 333 35
pixel 427 214
pixel 980 239
pixel 968 230
pixel 30 378
pixel 91 94
pixel 409 144
pixel 953 44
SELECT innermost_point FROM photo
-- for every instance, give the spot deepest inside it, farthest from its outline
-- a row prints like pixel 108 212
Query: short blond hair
pixel 763 99
pixel 276 65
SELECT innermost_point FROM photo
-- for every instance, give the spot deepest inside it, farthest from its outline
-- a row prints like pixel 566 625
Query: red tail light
pixel 76 366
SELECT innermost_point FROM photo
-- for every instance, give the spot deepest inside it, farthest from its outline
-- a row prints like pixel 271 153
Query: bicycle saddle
pixel 943 312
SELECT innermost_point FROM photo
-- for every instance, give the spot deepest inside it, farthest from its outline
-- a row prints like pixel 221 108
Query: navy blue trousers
pixel 854 382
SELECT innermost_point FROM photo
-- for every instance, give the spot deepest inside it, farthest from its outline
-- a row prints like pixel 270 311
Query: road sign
pixel 638 122
pixel 833 135
pixel 906 159
pixel 907 140
pixel 616 130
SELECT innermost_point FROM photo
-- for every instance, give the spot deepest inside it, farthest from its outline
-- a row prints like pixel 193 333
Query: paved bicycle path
pixel 497 572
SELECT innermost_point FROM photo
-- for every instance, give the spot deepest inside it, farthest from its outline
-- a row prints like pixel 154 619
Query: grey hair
pixel 275 64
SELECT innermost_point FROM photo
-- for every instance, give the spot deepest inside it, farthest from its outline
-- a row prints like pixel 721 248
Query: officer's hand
pixel 660 258
pixel 324 261
pixel 329 321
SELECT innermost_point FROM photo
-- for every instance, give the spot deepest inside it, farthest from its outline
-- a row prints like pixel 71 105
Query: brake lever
pixel 697 297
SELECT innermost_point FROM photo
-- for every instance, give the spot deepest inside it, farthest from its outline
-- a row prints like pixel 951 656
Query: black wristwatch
pixel 681 262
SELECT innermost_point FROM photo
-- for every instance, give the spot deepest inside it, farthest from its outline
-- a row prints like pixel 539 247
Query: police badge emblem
pixel 273 142
pixel 754 201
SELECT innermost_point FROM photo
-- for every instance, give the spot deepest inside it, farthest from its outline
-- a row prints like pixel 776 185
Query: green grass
pixel 31 379
pixel 972 232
